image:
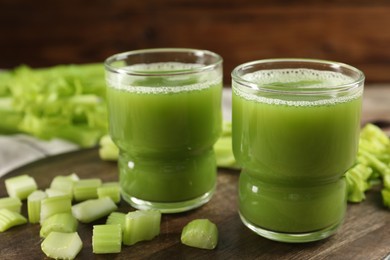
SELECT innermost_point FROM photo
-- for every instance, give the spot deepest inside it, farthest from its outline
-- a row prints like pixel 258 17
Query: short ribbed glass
pixel 165 115
pixel 295 133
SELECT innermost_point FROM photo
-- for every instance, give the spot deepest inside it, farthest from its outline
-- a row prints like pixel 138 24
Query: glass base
pixel 169 207
pixel 292 237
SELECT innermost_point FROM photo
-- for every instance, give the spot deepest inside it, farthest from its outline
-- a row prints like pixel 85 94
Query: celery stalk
pixel 64 183
pixel 34 205
pixel 54 205
pixel 110 189
pixel 86 189
pixel 62 222
pixel 106 239
pixel 20 186
pixel 91 210
pixel 141 225
pixel 13 204
pixel 117 218
pixel 10 219
pixel 59 245
pixel 108 151
pixel 200 233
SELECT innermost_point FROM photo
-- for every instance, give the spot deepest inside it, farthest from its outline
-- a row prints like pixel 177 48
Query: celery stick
pixel 106 239
pixel 141 225
pixel 13 204
pixel 10 219
pixel 59 245
pixel 62 222
pixel 91 210
pixel 117 218
pixel 110 189
pixel 64 183
pixel 86 189
pixel 200 233
pixel 34 205
pixel 55 193
pixel 54 205
pixel 108 151
pixel 20 186
pixel 386 197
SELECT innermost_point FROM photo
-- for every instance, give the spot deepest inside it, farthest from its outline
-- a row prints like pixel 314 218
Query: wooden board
pixel 364 234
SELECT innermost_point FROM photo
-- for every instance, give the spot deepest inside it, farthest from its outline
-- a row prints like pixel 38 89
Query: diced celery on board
pixel 117 218
pixel 141 225
pixel 13 204
pixel 91 210
pixel 20 186
pixel 110 189
pixel 106 239
pixel 59 245
pixel 10 219
pixel 62 222
pixel 54 205
pixel 86 189
pixel 200 233
pixel 34 205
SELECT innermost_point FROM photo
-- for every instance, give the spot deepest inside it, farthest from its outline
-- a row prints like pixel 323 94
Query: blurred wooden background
pixel 50 32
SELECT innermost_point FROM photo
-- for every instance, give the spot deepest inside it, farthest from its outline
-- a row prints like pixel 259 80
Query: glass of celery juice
pixel 295 133
pixel 165 116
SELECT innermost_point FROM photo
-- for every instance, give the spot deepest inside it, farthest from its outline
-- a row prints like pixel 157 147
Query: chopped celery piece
pixel 200 233
pixel 20 186
pixel 59 245
pixel 86 189
pixel 10 219
pixel 357 182
pixel 54 205
pixel 106 239
pixel 117 218
pixel 64 183
pixel 108 151
pixel 34 205
pixel 141 225
pixel 11 203
pixel 62 222
pixel 91 210
pixel 110 189
pixel 55 193
pixel 386 197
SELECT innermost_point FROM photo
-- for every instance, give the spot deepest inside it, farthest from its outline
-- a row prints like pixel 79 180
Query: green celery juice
pixel 294 150
pixel 165 129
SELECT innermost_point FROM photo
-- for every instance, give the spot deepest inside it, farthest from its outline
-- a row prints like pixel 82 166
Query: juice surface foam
pixel 158 83
pixel 298 81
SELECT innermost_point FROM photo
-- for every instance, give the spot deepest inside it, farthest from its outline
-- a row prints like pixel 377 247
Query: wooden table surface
pixel 364 234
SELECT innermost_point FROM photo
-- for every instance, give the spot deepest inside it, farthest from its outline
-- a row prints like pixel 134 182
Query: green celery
pixel 108 151
pixel 10 219
pixel 200 233
pixel 54 205
pixel 386 197
pixel 62 222
pixel 141 225
pixel 106 239
pixel 86 189
pixel 11 203
pixel 110 189
pixel 64 183
pixel 20 186
pixel 91 210
pixel 117 218
pixel 34 205
pixel 59 245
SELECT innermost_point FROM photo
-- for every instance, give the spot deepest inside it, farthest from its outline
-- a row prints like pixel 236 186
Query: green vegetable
pixel 55 205
pixel 91 210
pixel 10 219
pixel 13 204
pixel 141 225
pixel 117 218
pixel 106 239
pixel 62 222
pixel 108 151
pixel 64 183
pixel 20 186
pixel 200 233
pixel 59 245
pixel 110 189
pixel 86 189
pixel 65 101
pixel 34 205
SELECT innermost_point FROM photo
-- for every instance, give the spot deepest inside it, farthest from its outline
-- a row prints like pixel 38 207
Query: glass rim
pixel 123 55
pixel 355 83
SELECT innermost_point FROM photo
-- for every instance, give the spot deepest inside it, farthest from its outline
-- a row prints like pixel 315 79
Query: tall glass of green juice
pixel 165 116
pixel 295 133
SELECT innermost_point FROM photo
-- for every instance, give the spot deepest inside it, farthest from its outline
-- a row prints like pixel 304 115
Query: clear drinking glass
pixel 165 115
pixel 295 133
